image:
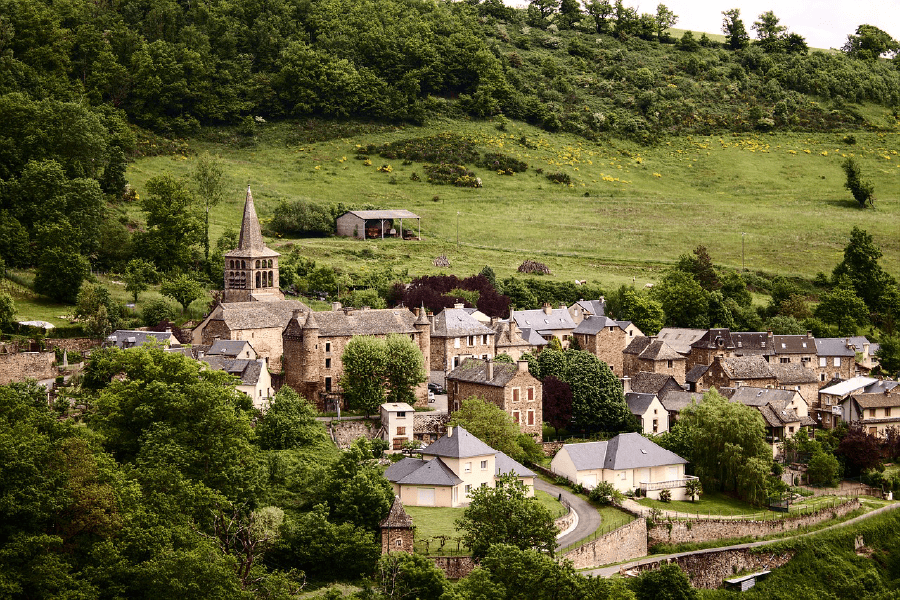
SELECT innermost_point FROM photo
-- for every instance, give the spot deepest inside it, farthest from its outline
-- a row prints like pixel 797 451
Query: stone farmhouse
pixel 606 339
pixel 738 371
pixel 651 383
pixel 455 335
pixel 547 322
pixel 653 355
pixel 450 469
pixel 784 411
pixel 508 386
pixel 628 461
pixel 836 359
pixel 314 342
pixel 875 412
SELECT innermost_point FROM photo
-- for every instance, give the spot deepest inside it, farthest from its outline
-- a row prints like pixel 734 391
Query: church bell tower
pixel 251 269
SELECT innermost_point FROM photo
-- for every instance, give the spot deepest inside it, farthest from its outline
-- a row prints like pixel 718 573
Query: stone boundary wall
pixel 454 567
pixel 20 366
pixel 564 522
pixel 703 530
pixel 709 569
pixel 625 543
pixel 74 344
pixel 345 432
pixel 551 448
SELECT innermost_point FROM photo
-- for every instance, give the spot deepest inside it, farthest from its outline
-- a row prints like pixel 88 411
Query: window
pixel 515 394
pixel 531 393
pixel 470 341
pixel 515 417
pixel 456 342
pixel 655 425
pixel 837 361
pixel 327 346
pixel 401 414
pixel 669 363
pixel 823 361
pixel 822 377
pixel 531 417
pixel 790 430
pixel 468 488
pixel 399 542
pixel 805 360
pixel 327 363
pixel 887 411
pixel 873 431
pixel 784 360
pixel 484 465
pixel 871 413
pixel 328 384
pixel 401 431
pixel 467 468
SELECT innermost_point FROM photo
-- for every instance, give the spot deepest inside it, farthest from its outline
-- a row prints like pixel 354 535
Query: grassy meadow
pixel 629 212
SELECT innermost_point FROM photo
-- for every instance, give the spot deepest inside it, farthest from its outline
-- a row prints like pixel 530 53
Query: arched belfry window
pixel 257 279
pixel 271 278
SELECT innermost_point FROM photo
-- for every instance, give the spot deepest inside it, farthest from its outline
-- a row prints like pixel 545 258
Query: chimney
pixel 490 369
pixel 296 314
pixel 522 366
pixel 866 350
pixel 626 384
pixel 562 305
pixel 459 305
pixel 168 330
pixel 335 306
pixel 809 334
pixel 493 321
pixel 450 431
pixel 547 308
pixel 415 311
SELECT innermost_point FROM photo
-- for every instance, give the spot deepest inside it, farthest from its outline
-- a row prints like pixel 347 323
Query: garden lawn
pixel 432 522
pixel 708 504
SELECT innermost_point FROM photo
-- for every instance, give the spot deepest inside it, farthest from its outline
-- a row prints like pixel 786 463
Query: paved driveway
pixel 588 517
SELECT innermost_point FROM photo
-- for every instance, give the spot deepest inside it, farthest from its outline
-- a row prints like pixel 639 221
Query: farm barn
pixel 378 224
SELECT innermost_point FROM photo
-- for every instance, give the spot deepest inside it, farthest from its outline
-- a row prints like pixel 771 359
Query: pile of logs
pixel 532 266
pixel 441 261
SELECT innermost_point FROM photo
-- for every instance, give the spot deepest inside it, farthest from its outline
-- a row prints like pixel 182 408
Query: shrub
pixel 500 162
pixel 665 495
pixel 442 148
pixel 559 178
pixel 157 310
pixel 605 493
pixel 452 174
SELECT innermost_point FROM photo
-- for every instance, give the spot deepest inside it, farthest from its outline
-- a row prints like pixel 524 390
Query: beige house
pixel 397 423
pixel 629 461
pixel 874 412
pixel 587 308
pixel 231 349
pixel 451 469
pixel 456 335
pixel 647 407
pixel 508 386
pixel 254 377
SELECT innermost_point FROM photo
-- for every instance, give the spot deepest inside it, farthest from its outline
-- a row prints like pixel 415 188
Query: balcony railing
pixel 652 486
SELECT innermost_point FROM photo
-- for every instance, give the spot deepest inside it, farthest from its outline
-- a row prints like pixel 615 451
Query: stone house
pixel 695 379
pixel 753 343
pixel 456 335
pixel 827 408
pixel 508 386
pixel 674 402
pixel 397 423
pixel 232 349
pixel 255 380
pixel 739 371
pixel 865 352
pixel 259 323
pixel 251 269
pixel 314 343
pixel 397 530
pixel 680 338
pixel 548 322
pixel 874 412
pixel 604 338
pixel 836 359
pixel 508 339
pixel 795 376
pixel 587 308
pixel 713 343
pixel 628 461
pixel 784 411
pixel 378 224
pixel 647 407
pixel 651 355
pixel 451 469
pixel 651 383
pixel 795 349
pixel 127 338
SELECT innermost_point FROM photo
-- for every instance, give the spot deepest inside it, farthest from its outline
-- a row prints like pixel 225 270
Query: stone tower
pixel 251 269
pixel 397 530
pixel 300 342
pixel 423 326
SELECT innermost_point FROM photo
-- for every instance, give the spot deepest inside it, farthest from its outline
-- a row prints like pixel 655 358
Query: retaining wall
pixel 625 543
pixel 703 530
pixel 454 567
pixel 709 569
pixel 20 366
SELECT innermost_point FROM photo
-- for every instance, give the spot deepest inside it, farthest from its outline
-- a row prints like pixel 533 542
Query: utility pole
pixel 457 231
pixel 742 250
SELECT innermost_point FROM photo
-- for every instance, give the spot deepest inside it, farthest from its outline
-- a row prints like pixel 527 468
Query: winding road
pixel 588 517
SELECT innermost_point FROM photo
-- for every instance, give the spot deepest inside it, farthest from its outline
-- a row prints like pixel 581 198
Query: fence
pixel 658 515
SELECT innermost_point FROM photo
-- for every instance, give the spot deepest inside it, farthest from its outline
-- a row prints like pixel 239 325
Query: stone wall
pixel 551 448
pixel 607 345
pixel 564 522
pixel 702 530
pixel 74 344
pixel 625 543
pixel 397 539
pixel 454 567
pixel 20 366
pixel 709 569
pixel 345 432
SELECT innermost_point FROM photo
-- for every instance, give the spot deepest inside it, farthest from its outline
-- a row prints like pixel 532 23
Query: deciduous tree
pixel 870 43
pixel 138 276
pixel 377 371
pixel 183 289
pixel 289 422
pixel 209 177
pixel 490 424
pixel 734 30
pixel 557 399
pixel 862 189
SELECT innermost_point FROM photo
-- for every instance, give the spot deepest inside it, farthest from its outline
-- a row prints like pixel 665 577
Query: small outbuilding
pixel 378 224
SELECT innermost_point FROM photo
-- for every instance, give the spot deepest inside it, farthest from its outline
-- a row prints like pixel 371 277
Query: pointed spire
pixel 251 235
pixel 422 319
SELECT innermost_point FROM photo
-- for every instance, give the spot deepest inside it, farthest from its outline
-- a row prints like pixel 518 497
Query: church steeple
pixel 251 235
pixel 251 269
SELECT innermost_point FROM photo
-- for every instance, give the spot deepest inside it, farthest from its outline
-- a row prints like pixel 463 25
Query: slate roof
pixel 458 443
pixel 637 345
pixel 338 323
pixel 696 372
pixel 747 367
pixel 127 338
pixel 593 307
pixel 751 342
pixel 475 370
pixel 258 315
pixel 859 342
pixel 650 383
pixel 754 396
pixel 834 347
pixel 680 338
pixel 247 370
pixel 793 373
pixel 397 517
pixel 678 401
pixel 638 403
pixel 250 243
pixel 794 344
pixel 457 322
pixel 382 214
pixel 227 347
pixel 659 350
pixel 416 471
pixel 506 336
pixel 881 386
pixel 559 318
pixel 877 400
pixel 715 338
pixel 592 325
pixel 532 337
pixel 625 451
pixel 504 464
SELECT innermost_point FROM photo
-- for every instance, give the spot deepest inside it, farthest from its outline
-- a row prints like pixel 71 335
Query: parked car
pixel 430 396
pixel 433 387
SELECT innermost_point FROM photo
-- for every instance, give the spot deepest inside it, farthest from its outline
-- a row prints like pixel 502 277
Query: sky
pixel 824 23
